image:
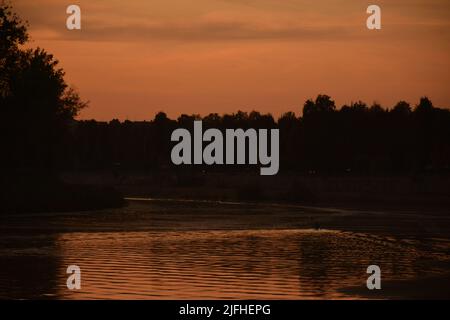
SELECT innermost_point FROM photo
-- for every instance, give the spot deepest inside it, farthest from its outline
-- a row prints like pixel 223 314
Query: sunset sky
pixel 134 58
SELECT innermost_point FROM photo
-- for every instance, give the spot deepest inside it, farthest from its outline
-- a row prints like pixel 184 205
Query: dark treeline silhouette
pixel 355 138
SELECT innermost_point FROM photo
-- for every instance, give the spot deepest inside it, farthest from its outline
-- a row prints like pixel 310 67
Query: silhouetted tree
pixel 322 104
pixel 402 108
pixel 12 35
pixel 36 105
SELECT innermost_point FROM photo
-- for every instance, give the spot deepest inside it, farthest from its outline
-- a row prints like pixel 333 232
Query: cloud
pixel 207 30
pixel 226 20
pixel 110 23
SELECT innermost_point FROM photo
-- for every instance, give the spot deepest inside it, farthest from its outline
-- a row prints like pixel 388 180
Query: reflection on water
pixel 201 264
pixel 225 264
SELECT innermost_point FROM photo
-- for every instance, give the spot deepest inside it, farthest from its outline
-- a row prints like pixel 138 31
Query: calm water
pixel 202 251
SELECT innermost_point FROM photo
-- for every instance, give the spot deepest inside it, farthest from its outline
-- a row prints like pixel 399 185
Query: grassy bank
pixel 29 193
pixel 408 191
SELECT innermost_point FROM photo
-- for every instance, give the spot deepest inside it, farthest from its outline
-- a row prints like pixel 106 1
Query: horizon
pixel 228 55
pixel 276 117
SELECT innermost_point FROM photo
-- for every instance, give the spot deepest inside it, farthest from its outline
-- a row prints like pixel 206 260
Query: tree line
pixel 354 138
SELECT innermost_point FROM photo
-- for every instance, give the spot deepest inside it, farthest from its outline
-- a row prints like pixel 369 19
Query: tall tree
pixel 36 104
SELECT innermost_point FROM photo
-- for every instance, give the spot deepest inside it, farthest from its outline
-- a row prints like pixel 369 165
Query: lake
pixel 213 250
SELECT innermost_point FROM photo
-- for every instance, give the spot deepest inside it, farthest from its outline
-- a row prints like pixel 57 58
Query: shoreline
pixel 45 195
pixel 438 209
pixel 399 193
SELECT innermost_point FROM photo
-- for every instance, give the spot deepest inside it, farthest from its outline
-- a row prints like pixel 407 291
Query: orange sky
pixel 136 57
